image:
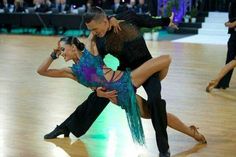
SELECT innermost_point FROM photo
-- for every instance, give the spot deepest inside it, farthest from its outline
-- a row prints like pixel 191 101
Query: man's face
pixel 98 27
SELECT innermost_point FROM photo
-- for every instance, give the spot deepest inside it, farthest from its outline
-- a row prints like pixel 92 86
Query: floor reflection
pixel 91 148
pixel 190 151
pixel 73 149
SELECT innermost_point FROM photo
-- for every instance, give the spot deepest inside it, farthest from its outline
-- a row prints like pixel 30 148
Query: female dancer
pixel 231 52
pixel 228 67
pixel 90 70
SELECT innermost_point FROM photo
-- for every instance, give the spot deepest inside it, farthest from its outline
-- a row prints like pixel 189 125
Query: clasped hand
pixel 172 24
pixel 115 24
pixel 57 51
pixel 230 24
pixel 111 95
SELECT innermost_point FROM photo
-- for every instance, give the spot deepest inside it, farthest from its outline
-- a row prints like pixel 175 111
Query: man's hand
pixel 172 25
pixel 113 100
pixel 102 92
pixel 230 24
pixel 115 24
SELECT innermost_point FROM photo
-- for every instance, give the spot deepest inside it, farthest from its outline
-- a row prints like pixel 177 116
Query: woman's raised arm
pixel 45 71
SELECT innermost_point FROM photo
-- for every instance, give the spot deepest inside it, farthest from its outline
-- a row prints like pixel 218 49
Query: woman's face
pixel 67 51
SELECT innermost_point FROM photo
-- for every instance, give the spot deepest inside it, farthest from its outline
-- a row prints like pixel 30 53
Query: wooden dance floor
pixel 32 105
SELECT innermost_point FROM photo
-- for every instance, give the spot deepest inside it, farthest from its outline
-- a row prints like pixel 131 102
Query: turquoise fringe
pixel 134 117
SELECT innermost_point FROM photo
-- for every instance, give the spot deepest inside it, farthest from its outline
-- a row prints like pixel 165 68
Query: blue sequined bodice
pixel 89 70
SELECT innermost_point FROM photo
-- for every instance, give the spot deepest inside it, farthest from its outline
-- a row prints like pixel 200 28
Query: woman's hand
pixel 56 51
pixel 115 24
pixel 172 24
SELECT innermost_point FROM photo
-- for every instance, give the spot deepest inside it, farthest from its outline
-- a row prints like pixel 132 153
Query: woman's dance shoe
pixel 197 136
pixel 211 85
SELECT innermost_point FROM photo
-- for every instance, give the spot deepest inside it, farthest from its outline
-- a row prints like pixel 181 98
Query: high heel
pixel 56 132
pixel 211 85
pixel 197 136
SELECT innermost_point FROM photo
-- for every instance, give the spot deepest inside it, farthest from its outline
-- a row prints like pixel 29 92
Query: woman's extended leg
pixel 158 64
pixel 221 74
pixel 172 121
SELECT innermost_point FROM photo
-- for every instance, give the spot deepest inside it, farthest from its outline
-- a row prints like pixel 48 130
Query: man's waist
pixel 232 31
pixel 133 64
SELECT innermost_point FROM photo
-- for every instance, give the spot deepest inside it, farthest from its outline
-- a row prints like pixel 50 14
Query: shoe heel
pixel 67 134
pixel 201 140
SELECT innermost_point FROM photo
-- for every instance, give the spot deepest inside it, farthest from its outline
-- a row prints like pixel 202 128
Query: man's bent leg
pixel 83 117
pixel 157 107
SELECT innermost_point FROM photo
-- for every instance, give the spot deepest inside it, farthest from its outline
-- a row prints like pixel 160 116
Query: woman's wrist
pixel 54 55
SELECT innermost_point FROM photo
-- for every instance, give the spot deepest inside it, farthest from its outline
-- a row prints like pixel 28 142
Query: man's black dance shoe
pixel 56 132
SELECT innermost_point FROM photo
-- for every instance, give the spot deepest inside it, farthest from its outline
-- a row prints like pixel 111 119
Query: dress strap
pixel 117 75
pixel 113 74
pixel 107 72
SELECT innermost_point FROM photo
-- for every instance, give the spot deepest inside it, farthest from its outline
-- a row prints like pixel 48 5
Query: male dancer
pixel 132 51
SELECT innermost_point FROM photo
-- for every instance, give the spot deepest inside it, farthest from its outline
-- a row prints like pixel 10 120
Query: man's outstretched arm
pixel 143 20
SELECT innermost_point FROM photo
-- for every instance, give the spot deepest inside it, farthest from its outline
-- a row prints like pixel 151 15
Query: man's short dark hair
pixel 95 13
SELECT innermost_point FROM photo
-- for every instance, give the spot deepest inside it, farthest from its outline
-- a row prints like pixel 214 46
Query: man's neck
pixel 108 25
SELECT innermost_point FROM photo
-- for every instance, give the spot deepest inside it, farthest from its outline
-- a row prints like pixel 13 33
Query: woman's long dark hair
pixel 73 40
